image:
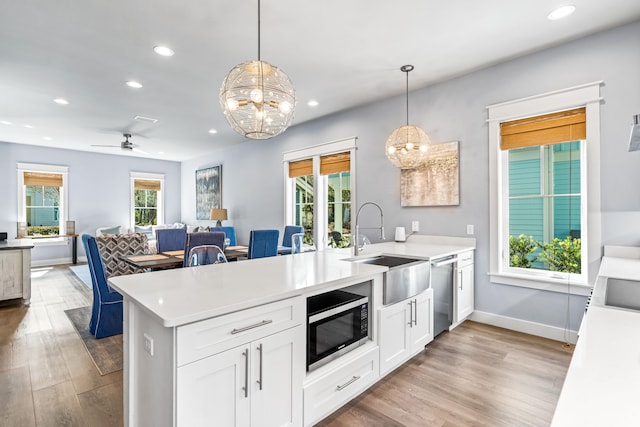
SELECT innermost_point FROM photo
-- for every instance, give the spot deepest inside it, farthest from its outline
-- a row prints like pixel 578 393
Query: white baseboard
pixel 57 261
pixel 524 326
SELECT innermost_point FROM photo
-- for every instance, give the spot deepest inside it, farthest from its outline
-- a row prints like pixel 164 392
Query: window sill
pixel 540 283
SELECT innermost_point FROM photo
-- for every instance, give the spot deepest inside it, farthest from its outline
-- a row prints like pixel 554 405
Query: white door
pixel 422 330
pixel 464 292
pixel 212 391
pixel 277 369
pixel 395 342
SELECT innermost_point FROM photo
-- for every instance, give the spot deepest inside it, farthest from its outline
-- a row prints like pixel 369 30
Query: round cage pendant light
pixel 257 98
pixel 407 146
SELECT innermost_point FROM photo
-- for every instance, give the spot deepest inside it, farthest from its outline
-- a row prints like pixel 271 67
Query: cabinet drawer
pixel 337 387
pixel 211 336
pixel 465 258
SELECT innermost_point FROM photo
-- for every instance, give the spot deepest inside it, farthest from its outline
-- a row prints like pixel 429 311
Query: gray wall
pixel 99 189
pixel 455 110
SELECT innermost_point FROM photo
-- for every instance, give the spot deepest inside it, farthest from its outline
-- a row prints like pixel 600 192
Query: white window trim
pixel 151 177
pixel 314 152
pixel 587 95
pixel 64 212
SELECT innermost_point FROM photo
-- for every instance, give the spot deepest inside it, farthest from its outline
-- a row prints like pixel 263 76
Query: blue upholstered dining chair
pixel 170 239
pixel 202 238
pixel 263 243
pixel 229 232
pixel 206 254
pixel 289 231
pixel 106 313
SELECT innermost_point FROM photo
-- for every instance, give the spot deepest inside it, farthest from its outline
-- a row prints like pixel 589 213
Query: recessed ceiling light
pixel 145 119
pixel 4 122
pixel 61 101
pixel 561 12
pixel 134 84
pixel 47 138
pixel 163 50
pixel 213 131
pixel 28 126
pixel 312 103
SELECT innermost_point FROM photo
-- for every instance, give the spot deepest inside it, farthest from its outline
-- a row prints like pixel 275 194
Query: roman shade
pixel 335 163
pixel 300 168
pixel 554 128
pixel 145 184
pixel 43 178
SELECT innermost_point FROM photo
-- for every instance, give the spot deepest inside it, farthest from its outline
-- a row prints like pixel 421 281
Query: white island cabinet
pixel 15 270
pixel 463 298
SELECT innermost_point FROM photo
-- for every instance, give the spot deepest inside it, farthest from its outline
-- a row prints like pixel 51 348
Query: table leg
pixel 74 250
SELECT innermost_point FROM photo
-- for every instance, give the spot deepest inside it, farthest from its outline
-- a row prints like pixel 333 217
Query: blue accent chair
pixel 106 314
pixel 263 243
pixel 201 238
pixel 229 232
pixel 171 239
pixel 289 231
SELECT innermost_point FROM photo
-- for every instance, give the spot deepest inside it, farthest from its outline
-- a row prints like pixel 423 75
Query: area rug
pixel 106 353
pixel 83 273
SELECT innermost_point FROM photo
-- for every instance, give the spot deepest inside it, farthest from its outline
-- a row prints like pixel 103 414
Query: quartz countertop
pixel 422 247
pixel 16 244
pixel 603 382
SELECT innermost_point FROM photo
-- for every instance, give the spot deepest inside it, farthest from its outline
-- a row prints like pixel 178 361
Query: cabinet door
pixel 422 329
pixel 464 292
pixel 277 369
pixel 10 274
pixel 395 339
pixel 212 391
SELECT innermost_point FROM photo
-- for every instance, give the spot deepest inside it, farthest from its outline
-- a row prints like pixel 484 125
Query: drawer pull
pixel 345 385
pixel 246 373
pixel 246 328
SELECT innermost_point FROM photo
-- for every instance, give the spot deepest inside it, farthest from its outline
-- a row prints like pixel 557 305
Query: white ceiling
pixel 341 53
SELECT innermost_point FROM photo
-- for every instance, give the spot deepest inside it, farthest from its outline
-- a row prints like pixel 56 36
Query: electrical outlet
pixel 469 228
pixel 415 226
pixel 148 344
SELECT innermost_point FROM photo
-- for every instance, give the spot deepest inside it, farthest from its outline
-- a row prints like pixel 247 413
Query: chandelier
pixel 407 146
pixel 257 98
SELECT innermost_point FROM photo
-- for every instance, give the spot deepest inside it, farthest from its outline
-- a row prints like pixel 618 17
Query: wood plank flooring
pixel 477 375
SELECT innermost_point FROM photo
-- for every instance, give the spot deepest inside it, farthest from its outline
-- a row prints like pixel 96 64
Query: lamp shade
pixel 407 147
pixel 257 99
pixel 218 214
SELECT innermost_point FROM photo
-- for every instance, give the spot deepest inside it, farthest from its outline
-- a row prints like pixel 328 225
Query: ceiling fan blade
pixel 102 145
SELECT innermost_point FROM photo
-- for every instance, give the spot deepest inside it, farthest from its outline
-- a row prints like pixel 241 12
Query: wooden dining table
pixel 175 259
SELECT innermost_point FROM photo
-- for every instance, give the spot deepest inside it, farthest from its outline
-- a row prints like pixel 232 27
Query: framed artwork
pixel 437 182
pixel 208 190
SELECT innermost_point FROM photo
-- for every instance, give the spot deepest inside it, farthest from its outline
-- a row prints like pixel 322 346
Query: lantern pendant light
pixel 407 146
pixel 257 98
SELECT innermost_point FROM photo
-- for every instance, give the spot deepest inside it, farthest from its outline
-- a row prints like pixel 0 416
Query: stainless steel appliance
pixel 442 270
pixel 337 322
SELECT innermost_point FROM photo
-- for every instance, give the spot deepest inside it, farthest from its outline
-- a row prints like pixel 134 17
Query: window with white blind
pixel 147 199
pixel 320 192
pixel 544 175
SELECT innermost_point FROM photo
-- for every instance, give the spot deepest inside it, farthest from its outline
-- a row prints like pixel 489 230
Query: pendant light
pixel 407 146
pixel 257 98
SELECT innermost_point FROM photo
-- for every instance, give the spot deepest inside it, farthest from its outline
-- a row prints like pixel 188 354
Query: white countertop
pixel 422 246
pixel 602 386
pixel 16 244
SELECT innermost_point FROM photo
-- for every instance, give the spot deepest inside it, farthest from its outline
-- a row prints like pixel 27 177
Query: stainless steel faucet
pixel 356 242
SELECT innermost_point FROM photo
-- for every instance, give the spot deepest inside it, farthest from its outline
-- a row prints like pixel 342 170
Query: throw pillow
pixel 112 230
pixel 144 230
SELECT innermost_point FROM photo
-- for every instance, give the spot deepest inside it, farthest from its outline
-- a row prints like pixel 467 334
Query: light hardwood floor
pixel 476 375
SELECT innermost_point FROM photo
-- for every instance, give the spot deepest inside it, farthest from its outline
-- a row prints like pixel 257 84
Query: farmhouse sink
pixel 622 293
pixel 386 260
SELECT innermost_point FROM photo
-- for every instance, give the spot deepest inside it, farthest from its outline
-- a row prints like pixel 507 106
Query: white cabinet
pixel 256 384
pixel 404 329
pixel 15 275
pixel 463 294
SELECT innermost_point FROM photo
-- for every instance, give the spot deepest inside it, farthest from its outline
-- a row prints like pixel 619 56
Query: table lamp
pixel 219 215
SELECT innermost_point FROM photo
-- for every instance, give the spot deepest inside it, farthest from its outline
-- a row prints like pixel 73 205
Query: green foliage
pixel 562 255
pixel 521 249
pixel 43 230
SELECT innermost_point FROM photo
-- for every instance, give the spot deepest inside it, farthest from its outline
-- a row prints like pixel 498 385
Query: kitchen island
pixel 15 270
pixel 226 343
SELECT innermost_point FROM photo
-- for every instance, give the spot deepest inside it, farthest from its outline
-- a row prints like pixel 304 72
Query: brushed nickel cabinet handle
pixel 246 328
pixel 246 372
pixel 410 314
pixel 259 381
pixel 348 383
pixel 415 312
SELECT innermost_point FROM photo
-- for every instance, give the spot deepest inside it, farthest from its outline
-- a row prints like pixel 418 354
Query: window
pixel 319 192
pixel 42 199
pixel 147 199
pixel 545 189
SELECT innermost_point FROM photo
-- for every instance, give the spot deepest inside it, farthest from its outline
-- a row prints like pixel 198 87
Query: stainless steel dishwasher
pixel 442 270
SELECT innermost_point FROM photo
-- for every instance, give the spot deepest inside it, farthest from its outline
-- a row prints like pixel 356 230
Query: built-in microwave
pixel 337 322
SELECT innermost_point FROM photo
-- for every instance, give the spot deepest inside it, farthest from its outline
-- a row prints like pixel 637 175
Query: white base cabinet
pixel 15 274
pixel 463 292
pixel 405 328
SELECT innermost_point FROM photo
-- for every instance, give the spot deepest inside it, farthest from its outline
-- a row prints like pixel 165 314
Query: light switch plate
pixel 470 229
pixel 415 226
pixel 148 344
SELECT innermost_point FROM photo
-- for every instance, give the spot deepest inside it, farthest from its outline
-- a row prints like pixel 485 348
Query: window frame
pixel 588 96
pixel 320 196
pixel 132 201
pixel 64 199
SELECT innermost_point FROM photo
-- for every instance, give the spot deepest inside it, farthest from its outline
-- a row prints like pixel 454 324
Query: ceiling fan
pixel 124 145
